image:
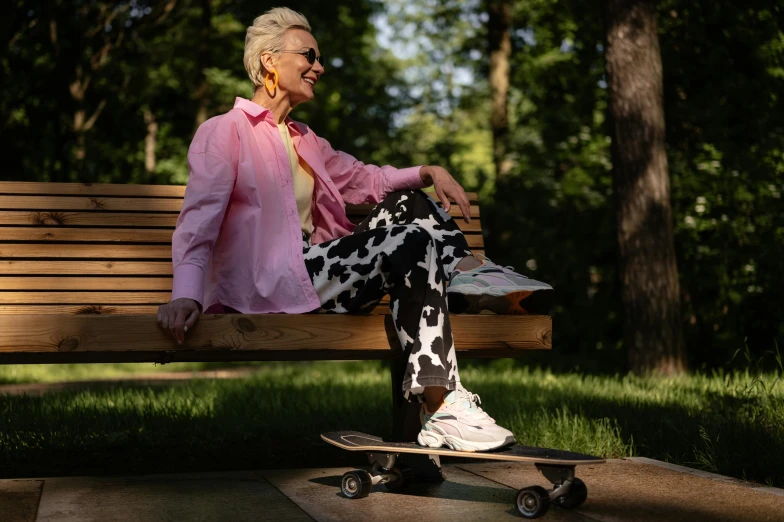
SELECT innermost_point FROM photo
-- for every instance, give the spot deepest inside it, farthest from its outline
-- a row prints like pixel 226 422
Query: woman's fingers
pixel 178 317
pixel 457 193
pixel 443 198
pixel 462 201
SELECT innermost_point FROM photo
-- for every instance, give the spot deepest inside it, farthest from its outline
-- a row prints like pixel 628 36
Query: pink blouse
pixel 238 240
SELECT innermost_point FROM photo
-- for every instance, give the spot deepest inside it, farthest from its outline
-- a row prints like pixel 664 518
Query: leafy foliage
pixel 87 83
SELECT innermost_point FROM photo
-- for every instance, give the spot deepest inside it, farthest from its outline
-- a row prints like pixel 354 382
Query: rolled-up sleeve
pixel 360 183
pixel 212 178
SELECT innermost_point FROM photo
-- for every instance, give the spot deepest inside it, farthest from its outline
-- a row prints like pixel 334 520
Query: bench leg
pixel 405 415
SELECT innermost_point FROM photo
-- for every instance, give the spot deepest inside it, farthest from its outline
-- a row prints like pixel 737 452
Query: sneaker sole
pixel 518 302
pixel 431 439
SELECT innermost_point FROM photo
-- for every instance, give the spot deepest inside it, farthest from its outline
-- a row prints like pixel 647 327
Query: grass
pixel 731 424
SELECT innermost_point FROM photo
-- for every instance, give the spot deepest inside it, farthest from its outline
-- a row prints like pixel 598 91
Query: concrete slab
pixel 237 495
pixel 19 499
pixel 463 496
pixel 707 474
pixel 622 490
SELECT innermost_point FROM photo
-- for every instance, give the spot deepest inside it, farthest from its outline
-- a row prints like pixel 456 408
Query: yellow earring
pixel 266 79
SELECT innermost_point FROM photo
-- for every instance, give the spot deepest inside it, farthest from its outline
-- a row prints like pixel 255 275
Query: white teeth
pixel 310 81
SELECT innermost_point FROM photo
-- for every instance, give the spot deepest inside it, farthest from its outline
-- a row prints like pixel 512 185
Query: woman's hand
pixel 446 187
pixel 178 316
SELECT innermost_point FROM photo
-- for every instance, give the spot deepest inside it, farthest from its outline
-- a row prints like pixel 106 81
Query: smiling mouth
pixel 310 81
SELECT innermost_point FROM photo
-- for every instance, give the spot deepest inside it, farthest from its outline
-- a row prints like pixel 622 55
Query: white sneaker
pixel 498 289
pixel 462 425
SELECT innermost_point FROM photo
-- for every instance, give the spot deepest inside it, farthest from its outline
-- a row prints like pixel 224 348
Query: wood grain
pixel 28 309
pixel 88 283
pixel 111 189
pixel 62 234
pixel 278 332
pixel 85 251
pixel 102 220
pixel 25 267
pixel 117 235
pixel 93 203
pixel 93 219
pixel 92 189
pixel 84 298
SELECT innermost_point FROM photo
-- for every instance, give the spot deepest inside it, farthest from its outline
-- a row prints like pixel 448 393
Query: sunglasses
pixel 310 56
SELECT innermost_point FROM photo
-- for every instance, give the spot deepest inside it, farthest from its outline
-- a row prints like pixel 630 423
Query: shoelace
pixel 473 402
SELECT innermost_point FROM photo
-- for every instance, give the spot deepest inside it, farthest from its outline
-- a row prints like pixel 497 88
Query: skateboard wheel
pixel 577 494
pixel 532 502
pixel 356 484
pixel 404 476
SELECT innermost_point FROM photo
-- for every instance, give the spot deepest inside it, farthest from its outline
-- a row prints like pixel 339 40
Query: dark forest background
pixel 112 92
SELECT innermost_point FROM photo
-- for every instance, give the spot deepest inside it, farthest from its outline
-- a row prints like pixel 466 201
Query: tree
pixel 648 270
pixel 500 46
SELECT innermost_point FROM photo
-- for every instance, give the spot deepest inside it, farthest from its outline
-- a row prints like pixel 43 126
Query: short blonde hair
pixel 266 35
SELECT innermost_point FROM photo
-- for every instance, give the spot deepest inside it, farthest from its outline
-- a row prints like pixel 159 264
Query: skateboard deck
pixel 358 441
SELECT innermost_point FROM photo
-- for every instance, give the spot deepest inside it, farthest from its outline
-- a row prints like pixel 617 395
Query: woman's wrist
pixel 426 174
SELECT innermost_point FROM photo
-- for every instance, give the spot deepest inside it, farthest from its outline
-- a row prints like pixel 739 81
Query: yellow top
pixel 302 180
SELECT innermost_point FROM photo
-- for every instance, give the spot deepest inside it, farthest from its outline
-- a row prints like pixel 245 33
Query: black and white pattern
pixel 407 247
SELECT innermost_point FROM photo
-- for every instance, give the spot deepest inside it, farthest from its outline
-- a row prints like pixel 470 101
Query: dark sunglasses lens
pixel 311 57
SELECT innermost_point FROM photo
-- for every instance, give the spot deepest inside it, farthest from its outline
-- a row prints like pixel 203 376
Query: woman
pixel 263 229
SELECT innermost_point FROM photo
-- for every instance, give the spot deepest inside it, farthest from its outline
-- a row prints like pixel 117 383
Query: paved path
pixel 617 491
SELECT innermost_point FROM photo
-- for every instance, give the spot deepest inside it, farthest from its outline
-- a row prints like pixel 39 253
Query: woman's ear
pixel 267 62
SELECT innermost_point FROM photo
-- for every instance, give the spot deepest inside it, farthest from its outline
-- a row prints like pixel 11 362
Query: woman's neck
pixel 279 105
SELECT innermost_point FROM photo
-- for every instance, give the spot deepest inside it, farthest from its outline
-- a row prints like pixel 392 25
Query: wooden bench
pixel 84 267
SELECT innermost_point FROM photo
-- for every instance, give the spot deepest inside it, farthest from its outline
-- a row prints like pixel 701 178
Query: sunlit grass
pixel 730 424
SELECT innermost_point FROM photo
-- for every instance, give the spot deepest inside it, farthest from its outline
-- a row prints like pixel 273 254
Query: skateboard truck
pixel 383 470
pixel 568 492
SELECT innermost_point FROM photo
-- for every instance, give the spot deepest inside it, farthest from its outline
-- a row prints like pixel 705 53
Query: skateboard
pixel 557 466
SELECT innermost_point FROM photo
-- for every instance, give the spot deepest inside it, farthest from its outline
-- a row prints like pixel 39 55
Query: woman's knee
pixel 416 237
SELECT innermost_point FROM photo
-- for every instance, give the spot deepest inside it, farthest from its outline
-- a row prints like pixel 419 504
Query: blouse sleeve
pixel 360 183
pixel 213 173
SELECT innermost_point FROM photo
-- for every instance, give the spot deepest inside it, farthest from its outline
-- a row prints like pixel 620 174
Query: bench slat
pixel 117 235
pixel 134 220
pixel 93 219
pixel 58 234
pixel 123 204
pixel 109 189
pixel 92 189
pixel 77 309
pixel 85 251
pixel 24 267
pixel 85 283
pixel 89 251
pixel 85 298
pixel 276 332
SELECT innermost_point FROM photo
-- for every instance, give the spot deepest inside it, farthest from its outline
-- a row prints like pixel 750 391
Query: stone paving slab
pixel 235 496
pixel 463 497
pixel 19 499
pixel 621 490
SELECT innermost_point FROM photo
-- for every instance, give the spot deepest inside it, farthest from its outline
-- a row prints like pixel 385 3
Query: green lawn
pixel 731 424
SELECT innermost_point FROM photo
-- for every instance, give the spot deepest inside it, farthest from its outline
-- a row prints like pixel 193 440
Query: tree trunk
pixel 500 48
pixel 648 269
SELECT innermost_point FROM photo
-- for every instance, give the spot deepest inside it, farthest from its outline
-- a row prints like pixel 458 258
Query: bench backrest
pixel 103 248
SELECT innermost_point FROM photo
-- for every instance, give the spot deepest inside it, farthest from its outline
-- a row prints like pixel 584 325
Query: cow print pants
pixel 407 247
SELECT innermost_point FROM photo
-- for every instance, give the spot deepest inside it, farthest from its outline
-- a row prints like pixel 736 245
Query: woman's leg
pixel 414 207
pixel 351 275
pixel 474 284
